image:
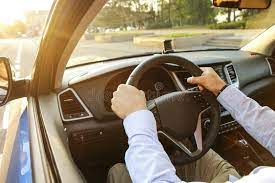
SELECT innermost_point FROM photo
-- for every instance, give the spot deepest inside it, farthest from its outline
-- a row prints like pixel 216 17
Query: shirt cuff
pixel 231 97
pixel 141 122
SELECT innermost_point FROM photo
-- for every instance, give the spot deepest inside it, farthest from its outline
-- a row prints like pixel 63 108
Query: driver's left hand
pixel 128 99
pixel 209 80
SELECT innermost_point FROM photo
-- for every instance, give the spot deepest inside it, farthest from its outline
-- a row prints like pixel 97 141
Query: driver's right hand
pixel 209 80
pixel 127 99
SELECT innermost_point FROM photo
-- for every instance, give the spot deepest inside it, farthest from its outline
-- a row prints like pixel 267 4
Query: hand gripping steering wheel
pixel 179 114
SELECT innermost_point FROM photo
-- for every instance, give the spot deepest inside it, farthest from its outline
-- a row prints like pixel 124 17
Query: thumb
pixel 194 80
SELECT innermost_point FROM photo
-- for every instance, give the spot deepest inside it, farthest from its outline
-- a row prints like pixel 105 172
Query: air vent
pixel 71 107
pixel 231 75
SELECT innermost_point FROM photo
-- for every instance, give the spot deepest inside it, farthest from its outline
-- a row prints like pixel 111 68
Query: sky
pixel 11 10
pixel 153 3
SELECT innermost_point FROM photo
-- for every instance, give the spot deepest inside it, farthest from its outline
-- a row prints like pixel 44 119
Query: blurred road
pixel 222 38
pixel 21 53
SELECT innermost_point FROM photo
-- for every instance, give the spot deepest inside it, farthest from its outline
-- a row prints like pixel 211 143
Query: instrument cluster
pixel 156 82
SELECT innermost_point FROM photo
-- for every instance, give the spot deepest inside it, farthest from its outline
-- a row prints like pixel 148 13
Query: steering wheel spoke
pixel 197 138
pixel 151 105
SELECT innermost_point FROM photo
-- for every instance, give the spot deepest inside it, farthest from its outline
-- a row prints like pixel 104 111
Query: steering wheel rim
pixel 181 99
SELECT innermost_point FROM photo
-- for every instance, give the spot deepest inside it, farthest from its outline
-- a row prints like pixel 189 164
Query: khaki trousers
pixel 210 168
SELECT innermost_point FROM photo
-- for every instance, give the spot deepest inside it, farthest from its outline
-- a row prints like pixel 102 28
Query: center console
pixel 242 151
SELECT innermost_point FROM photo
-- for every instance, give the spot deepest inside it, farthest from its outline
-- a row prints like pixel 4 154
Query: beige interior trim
pixel 68 170
pixel 77 34
pixel 263 44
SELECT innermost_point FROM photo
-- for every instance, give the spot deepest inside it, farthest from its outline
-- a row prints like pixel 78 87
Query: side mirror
pixel 10 89
pixel 5 80
pixel 242 4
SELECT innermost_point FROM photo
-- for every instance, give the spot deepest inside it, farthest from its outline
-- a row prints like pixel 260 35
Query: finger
pixel 113 100
pixel 190 80
pixel 116 100
pixel 116 111
pixel 121 86
pixel 114 108
pixel 130 87
pixel 142 92
pixel 201 88
pixel 126 88
pixel 194 80
pixel 115 94
pixel 204 69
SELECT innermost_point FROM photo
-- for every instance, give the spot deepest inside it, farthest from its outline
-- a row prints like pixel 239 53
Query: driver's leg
pixel 210 168
pixel 119 174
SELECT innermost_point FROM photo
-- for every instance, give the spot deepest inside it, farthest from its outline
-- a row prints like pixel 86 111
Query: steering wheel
pixel 179 114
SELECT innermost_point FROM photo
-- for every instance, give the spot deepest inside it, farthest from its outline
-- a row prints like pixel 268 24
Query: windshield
pixel 21 28
pixel 127 27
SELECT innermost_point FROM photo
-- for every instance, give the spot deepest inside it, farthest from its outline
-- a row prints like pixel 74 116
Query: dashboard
pixel 161 80
pixel 83 100
pixel 85 107
pixel 91 87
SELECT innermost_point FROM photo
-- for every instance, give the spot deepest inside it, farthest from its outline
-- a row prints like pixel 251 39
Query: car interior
pixel 95 134
pixel 82 128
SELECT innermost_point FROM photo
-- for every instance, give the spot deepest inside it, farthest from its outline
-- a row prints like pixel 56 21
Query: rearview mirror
pixel 5 80
pixel 243 4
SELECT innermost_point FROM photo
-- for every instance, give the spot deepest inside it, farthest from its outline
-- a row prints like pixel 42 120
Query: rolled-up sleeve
pixel 258 121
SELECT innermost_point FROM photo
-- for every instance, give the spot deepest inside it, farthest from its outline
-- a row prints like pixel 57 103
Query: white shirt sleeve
pixel 259 175
pixel 147 161
pixel 258 121
pixel 145 158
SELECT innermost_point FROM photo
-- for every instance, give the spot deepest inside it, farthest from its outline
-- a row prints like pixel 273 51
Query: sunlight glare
pixel 12 10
